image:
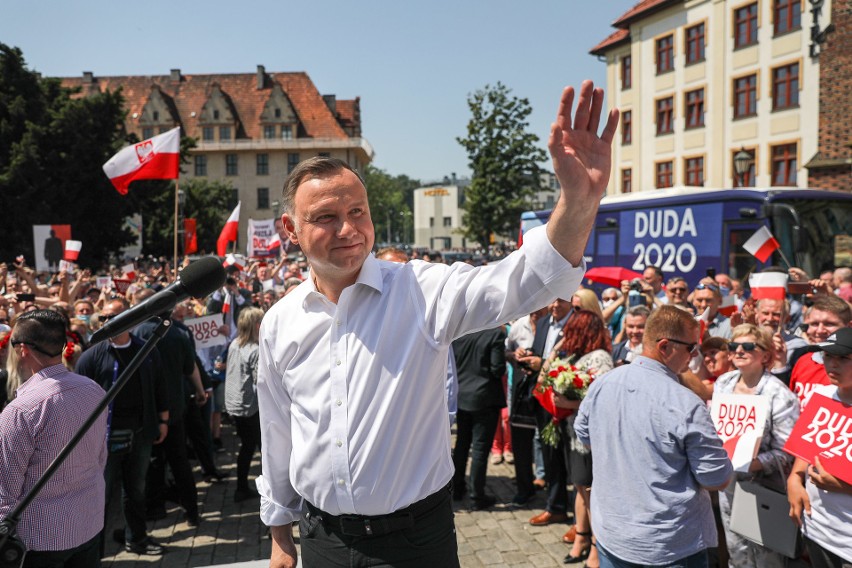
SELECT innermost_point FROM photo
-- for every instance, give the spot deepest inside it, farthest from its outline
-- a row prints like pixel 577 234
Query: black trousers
pixel 474 435
pixel 555 474
pixel 173 452
pixel 429 543
pixel 522 446
pixel 198 434
pixel 248 430
pixel 87 555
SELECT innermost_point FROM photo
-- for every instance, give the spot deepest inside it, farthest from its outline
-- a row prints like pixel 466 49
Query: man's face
pixel 703 299
pixel 263 273
pixel 110 310
pixel 650 276
pixel 716 361
pixel 559 309
pixel 839 370
pixel 724 281
pixel 84 309
pixel 821 324
pixel 4 316
pixel 679 355
pixel 677 292
pixel 770 314
pixel 331 222
pixel 634 327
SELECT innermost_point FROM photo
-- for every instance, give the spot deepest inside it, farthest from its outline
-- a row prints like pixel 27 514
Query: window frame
pixel 232 165
pixel 626 72
pixel 793 85
pixel 664 54
pixel 693 118
pixel 751 22
pixel 694 165
pixel 659 173
pixel 627 127
pixel 269 132
pixel 791 21
pixel 626 180
pixel 751 100
pixel 666 114
pixel 208 134
pixel 262 164
pixel 751 174
pixel 200 165
pixel 225 133
pixel 261 204
pixel 693 43
pixel 787 158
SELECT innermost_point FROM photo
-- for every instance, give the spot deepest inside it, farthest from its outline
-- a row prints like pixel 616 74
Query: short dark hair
pixel 316 167
pixel 42 329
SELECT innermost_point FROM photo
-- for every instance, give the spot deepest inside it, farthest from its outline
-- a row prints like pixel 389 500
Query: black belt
pixel 377 525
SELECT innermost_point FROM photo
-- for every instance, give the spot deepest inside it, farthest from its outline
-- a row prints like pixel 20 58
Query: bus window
pixel 740 261
pixel 824 234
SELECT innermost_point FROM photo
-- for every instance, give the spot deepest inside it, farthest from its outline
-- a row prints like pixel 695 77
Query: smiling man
pixel 353 362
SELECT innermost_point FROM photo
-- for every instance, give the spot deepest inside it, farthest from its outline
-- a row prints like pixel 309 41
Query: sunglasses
pixel 690 347
pixel 747 346
pixel 107 317
pixel 677 290
pixel 712 287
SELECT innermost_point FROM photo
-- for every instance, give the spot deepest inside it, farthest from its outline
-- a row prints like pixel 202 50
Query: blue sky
pixel 412 63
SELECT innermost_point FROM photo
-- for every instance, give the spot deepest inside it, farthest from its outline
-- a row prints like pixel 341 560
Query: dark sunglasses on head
pixel 747 346
pixel 712 287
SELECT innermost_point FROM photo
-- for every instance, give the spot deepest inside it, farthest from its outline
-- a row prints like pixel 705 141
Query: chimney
pixel 331 103
pixel 88 77
pixel 261 76
pixel 175 75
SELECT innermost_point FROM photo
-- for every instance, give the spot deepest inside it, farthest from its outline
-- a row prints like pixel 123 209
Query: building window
pixel 215 115
pixel 269 131
pixel 156 115
pixel 207 133
pixel 286 132
pixel 745 96
pixel 231 167
pixel 626 127
pixel 784 164
pixel 747 179
pixel 292 162
pixel 695 171
pixel 695 108
pixel 664 174
pixel 431 221
pixel 200 165
pixel 626 72
pixel 695 44
pixel 626 180
pixel 235 198
pixel 147 132
pixel 787 16
pixel 448 221
pixel 785 87
pixel 224 133
pixel 665 110
pixel 665 54
pixel 745 26
pixel 263 164
pixel 263 198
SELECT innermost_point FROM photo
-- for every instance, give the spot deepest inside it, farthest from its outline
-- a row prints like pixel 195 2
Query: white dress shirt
pixel 352 396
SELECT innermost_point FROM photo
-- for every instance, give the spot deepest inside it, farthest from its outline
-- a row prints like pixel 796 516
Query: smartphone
pixel 25 297
pixel 711 272
pixel 800 288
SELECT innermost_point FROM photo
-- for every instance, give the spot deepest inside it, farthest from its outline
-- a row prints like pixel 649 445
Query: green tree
pixel 391 201
pixel 504 159
pixel 52 148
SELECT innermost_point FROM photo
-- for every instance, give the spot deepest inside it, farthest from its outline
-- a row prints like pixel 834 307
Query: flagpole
pixel 177 192
pixel 784 258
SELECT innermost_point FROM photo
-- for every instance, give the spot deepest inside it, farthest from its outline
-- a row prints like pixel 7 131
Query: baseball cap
pixel 838 343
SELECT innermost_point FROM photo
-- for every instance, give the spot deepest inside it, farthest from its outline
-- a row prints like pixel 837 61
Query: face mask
pixel 724 291
pixel 607 303
pixel 85 317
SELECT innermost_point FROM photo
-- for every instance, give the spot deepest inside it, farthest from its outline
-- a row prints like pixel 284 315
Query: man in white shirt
pixel 353 361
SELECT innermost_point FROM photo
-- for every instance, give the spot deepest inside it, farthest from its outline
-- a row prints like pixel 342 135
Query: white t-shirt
pixel 830 523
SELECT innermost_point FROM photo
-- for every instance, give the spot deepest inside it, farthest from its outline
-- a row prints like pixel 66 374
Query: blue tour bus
pixel 686 231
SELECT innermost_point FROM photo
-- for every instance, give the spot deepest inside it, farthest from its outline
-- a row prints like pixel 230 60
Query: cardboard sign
pixel 121 285
pixel 206 331
pixel 824 429
pixel 260 233
pixel 102 282
pixel 67 266
pixel 740 420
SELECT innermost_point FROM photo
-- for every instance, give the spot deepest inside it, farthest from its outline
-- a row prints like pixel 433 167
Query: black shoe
pixel 522 499
pixel 244 494
pixel 191 519
pixel 215 477
pixel 118 535
pixel 482 503
pixel 147 547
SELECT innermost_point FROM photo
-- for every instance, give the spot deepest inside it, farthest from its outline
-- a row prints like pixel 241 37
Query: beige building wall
pixel 722 135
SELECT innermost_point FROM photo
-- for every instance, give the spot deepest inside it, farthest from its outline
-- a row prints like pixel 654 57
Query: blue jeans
pixel 697 560
pixel 130 470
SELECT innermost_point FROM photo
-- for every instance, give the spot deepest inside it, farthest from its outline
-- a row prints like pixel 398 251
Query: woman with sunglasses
pixel 750 351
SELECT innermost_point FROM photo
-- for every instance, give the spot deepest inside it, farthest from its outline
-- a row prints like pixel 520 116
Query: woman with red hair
pixel 586 341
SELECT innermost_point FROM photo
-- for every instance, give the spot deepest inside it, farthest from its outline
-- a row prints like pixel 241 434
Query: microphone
pixel 199 279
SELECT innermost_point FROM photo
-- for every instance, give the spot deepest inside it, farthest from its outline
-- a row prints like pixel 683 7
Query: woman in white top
pixel 751 352
pixel 825 500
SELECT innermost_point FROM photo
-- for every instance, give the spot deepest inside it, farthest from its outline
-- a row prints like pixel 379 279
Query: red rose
pixel 578 383
pixel 553 374
pixel 561 369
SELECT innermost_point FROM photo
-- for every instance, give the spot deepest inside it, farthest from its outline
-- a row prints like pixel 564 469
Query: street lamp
pixel 742 162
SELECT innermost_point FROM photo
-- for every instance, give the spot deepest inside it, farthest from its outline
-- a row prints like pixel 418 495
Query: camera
pixel 636 285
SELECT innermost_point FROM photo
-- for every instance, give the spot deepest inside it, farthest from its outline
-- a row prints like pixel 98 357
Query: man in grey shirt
pixel 656 453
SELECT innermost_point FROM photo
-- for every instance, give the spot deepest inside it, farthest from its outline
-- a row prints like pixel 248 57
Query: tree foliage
pixel 391 202
pixel 504 159
pixel 52 148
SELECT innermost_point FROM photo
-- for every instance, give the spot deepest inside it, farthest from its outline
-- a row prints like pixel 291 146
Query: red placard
pixel 824 429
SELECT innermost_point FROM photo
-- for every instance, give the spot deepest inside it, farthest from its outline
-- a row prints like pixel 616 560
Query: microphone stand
pixel 12 550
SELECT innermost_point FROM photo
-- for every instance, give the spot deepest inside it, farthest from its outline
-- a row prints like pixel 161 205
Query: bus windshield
pixel 823 241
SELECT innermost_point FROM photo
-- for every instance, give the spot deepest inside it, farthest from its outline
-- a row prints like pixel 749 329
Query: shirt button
pixel 338 362
pixel 339 402
pixel 338 323
pixel 341 483
pixel 339 443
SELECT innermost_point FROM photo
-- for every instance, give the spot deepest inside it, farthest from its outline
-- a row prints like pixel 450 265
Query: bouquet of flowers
pixel 566 379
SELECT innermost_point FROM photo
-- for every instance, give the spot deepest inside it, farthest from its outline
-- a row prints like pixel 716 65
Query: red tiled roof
pixel 192 91
pixel 615 38
pixel 642 9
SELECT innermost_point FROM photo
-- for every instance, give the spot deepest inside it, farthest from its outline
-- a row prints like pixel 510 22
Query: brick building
pixel 251 129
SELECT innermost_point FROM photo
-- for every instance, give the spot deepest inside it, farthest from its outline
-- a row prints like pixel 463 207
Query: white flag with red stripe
pixel 155 158
pixel 274 243
pixel 226 305
pixel 129 271
pixel 234 260
pixel 761 244
pixel 704 322
pixel 72 250
pixel 229 231
pixel 768 285
pixel 728 306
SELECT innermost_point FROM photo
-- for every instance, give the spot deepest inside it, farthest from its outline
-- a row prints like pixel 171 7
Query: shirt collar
pixel 45 373
pixel 654 365
pixel 370 275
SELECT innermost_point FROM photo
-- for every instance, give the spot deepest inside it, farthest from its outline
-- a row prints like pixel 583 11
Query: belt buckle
pixel 351 525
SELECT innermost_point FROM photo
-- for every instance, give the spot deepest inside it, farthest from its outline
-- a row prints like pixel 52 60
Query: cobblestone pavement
pixel 232 534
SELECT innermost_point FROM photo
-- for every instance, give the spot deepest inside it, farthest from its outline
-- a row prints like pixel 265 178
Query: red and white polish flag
pixel 155 158
pixel 72 250
pixel 728 307
pixel 129 271
pixel 226 305
pixel 234 260
pixel 229 231
pixel 761 244
pixel 274 243
pixel 768 285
